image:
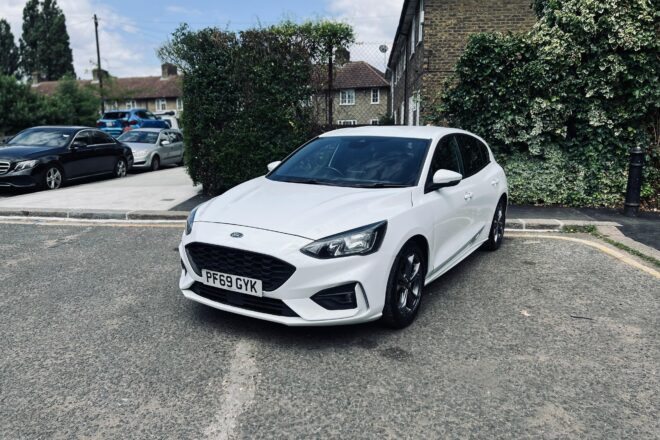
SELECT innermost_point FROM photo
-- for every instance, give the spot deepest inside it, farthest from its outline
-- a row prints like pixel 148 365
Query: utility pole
pixel 99 72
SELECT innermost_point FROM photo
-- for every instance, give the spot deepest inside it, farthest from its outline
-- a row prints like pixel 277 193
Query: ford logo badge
pixel 236 235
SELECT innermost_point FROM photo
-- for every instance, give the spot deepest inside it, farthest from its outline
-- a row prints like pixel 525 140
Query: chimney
pixel 95 74
pixel 168 70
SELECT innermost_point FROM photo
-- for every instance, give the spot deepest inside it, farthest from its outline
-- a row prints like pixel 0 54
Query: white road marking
pixel 239 393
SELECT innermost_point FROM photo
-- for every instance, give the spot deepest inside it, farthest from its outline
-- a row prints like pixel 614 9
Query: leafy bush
pixel 563 104
pixel 245 96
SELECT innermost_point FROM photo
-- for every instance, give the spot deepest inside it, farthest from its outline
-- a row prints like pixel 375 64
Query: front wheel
pixel 155 163
pixel 496 234
pixel 53 177
pixel 121 168
pixel 404 287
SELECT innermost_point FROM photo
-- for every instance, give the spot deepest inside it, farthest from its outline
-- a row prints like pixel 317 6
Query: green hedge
pixel 563 104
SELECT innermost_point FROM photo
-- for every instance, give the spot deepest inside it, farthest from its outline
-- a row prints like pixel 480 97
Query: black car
pixel 47 157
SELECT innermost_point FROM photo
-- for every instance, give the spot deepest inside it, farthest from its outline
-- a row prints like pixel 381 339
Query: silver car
pixel 153 147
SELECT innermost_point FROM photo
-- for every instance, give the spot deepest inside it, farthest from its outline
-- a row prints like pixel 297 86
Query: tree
pixel 8 49
pixel 44 44
pixel 245 98
pixel 20 107
pixel 73 104
pixel 563 104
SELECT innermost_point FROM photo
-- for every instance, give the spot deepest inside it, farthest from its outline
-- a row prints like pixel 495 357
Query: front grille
pixel 4 167
pixel 256 304
pixel 271 271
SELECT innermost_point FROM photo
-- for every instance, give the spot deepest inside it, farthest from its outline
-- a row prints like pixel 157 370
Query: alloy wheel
pixel 120 169
pixel 53 178
pixel 498 223
pixel 409 282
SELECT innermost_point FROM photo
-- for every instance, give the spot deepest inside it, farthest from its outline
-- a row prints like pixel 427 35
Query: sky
pixel 131 31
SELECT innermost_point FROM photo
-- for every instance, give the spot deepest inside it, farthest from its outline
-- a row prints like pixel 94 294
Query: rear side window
pixel 84 136
pixel 446 157
pixel 472 155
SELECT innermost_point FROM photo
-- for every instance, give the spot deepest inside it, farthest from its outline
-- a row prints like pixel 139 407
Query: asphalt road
pixel 97 342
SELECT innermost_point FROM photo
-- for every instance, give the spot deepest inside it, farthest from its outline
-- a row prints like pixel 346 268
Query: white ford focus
pixel 349 228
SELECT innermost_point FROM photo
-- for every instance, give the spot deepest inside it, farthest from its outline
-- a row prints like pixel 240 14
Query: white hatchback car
pixel 348 228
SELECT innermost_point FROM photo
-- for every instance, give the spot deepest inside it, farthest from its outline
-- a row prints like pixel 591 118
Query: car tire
pixel 53 177
pixel 496 234
pixel 155 163
pixel 121 168
pixel 405 285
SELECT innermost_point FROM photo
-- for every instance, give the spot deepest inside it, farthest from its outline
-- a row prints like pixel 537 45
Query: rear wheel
pixel 496 234
pixel 53 177
pixel 404 287
pixel 121 168
pixel 155 163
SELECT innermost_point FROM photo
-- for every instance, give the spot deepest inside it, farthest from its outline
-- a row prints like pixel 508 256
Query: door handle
pixel 495 182
pixel 468 196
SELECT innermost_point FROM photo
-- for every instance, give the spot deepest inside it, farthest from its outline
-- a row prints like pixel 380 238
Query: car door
pixel 105 152
pixel 447 207
pixel 165 151
pixel 477 192
pixel 79 160
pixel 177 147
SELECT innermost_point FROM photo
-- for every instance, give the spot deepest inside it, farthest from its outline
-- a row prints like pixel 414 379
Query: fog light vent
pixel 337 298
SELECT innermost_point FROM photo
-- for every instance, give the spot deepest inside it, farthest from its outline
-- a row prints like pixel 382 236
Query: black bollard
pixel 631 207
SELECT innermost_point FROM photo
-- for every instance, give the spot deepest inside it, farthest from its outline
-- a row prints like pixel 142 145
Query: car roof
pixel 404 131
pixel 62 127
pixel 155 130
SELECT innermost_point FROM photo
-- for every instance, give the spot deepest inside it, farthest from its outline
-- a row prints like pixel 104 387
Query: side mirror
pixel 273 165
pixel 445 178
pixel 165 143
pixel 78 144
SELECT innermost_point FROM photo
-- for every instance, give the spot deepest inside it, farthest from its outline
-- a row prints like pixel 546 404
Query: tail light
pixel 100 124
pixel 133 122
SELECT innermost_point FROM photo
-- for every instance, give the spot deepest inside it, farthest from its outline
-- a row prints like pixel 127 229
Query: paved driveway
pixel 545 339
pixel 157 191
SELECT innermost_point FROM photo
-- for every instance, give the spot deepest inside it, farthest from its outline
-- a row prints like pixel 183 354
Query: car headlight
pixel 361 241
pixel 140 154
pixel 26 164
pixel 191 220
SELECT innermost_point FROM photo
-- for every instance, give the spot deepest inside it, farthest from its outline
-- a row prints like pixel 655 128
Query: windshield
pixel 115 115
pixel 53 137
pixel 356 161
pixel 141 137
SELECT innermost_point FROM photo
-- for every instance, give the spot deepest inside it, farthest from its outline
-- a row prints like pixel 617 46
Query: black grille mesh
pixel 271 271
pixel 263 305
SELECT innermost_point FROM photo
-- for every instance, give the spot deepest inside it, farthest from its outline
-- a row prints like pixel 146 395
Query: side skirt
pixel 462 254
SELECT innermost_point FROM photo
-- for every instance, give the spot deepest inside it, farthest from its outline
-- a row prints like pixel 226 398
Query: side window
pixel 83 136
pixel 484 152
pixel 471 154
pixel 141 115
pixel 149 115
pixel 179 137
pixel 98 137
pixel 446 157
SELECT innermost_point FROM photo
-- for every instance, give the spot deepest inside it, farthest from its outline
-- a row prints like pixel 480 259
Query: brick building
pixel 154 93
pixel 432 35
pixel 361 95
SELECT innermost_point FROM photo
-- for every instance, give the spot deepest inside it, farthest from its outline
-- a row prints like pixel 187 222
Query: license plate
pixel 248 286
pixel 109 123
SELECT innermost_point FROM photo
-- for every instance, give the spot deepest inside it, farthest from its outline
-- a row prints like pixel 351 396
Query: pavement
pixel 143 191
pixel 545 338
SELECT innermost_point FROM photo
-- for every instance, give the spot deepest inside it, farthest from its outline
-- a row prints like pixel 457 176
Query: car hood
pixel 138 146
pixel 17 152
pixel 308 211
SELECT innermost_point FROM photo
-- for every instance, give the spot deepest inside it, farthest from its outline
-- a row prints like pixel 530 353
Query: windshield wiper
pixel 306 181
pixel 382 185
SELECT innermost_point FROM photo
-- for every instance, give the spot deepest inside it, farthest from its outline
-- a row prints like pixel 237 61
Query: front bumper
pixel 311 276
pixel 20 179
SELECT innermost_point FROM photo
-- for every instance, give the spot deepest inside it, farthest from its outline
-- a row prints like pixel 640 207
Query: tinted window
pixel 178 137
pixel 446 156
pixel 471 154
pixel 115 115
pixel 84 137
pixel 141 115
pixel 43 137
pixel 149 115
pixel 98 137
pixel 358 161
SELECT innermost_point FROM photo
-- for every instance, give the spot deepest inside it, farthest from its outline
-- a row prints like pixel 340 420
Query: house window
pixel 375 96
pixel 347 97
pixel 130 104
pixel 179 104
pixel 413 38
pixel 395 117
pixel 374 122
pixel 413 109
pixel 161 104
pixel 402 115
pixel 420 30
pixel 347 122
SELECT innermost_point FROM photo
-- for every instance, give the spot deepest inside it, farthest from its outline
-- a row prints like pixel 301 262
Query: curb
pixel 93 214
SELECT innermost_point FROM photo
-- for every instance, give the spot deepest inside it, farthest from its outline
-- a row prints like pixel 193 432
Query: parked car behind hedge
pixel 116 122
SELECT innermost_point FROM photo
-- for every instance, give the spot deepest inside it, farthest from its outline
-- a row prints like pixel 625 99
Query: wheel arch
pixel 423 243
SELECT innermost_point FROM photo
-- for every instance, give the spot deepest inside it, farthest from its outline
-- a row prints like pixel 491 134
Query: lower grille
pixel 271 271
pixel 4 167
pixel 270 306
